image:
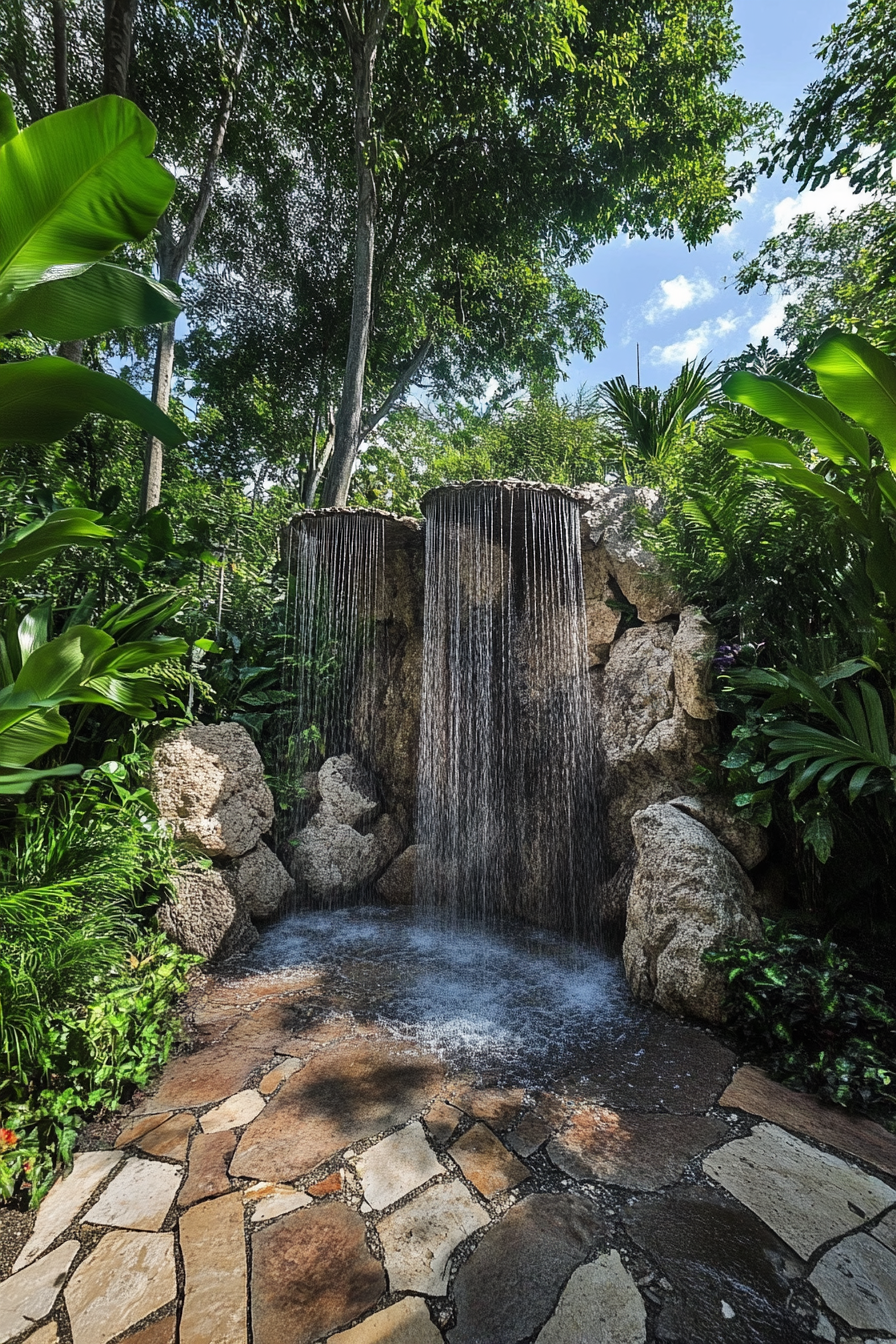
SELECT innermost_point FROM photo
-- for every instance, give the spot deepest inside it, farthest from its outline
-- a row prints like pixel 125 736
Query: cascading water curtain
pixel 507 803
pixel 335 567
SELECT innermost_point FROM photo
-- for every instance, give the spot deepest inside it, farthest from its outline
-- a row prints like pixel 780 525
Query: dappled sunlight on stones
pixel 442 1120
pixel 599 1305
pixel 205 1077
pixel 65 1201
pixel 170 1139
pixel 311 1274
pixel 806 1196
pixel 32 1292
pixel 233 1113
pixel 510 1284
pixel 142 1125
pixel 214 1254
pixel 279 1074
pixel 640 1152
pixel 129 1275
pixel 499 1107
pixel 407 1322
pixel 420 1237
pixel 486 1163
pixel 857 1279
pixel 350 1092
pixel 138 1197
pixel 397 1165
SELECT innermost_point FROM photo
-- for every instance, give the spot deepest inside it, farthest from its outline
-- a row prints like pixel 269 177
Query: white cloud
pixel 674 296
pixel 770 321
pixel 837 195
pixel 695 342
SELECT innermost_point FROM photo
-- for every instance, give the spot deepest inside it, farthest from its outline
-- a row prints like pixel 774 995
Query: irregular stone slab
pixel 397 1165
pixel 138 1197
pixel 311 1274
pixel 65 1201
pixel 47 1334
pixel 442 1120
pixel 486 1163
pixel 142 1125
pixel 214 1254
pixel 419 1238
pixel 128 1276
pixel 274 1206
pixel 163 1331
pixel 640 1152
pixel 32 1292
pixel 207 1173
pixel 885 1231
pixel 857 1279
pixel 805 1196
pixel 208 783
pixel 600 1305
pixel 530 1133
pixel 208 1075
pixel 330 1185
pixel 407 1322
pixel 510 1284
pixel 233 1113
pixel 753 1091
pixel 284 1202
pixel 499 1107
pixel 271 1081
pixel 172 1139
pixel 350 1092
pixel 713 1251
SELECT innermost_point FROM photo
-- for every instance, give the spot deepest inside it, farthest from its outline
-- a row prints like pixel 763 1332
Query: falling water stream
pixel 507 813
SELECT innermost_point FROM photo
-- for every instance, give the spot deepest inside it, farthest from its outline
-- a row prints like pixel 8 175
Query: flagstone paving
pixel 305 1175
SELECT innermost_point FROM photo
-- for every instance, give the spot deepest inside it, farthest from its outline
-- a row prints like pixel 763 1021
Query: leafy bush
pixel 797 1004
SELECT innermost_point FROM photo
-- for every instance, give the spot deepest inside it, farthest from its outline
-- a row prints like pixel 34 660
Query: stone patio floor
pixel 306 1175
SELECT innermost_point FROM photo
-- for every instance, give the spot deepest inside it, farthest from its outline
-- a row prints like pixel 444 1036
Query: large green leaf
pixel 28 732
pixel 812 416
pixel 776 461
pixel 8 125
pixel 16 781
pixel 42 399
pixel 59 669
pixel 861 381
pixel 84 301
pixel 22 550
pixel 75 186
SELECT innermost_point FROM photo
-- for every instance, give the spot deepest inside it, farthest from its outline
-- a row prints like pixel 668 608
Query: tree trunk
pixel 151 488
pixel 363 48
pixel 60 55
pixel 318 465
pixel 118 37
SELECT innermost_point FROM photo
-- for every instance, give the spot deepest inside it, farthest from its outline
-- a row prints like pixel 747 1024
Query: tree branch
pixel 400 386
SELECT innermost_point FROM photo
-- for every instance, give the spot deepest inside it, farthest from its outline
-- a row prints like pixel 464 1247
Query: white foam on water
pixel 510 997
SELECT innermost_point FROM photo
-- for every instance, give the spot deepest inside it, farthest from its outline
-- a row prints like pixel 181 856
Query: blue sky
pixel 679 303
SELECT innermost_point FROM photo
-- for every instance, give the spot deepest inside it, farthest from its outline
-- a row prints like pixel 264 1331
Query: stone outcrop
pixel 746 841
pixel 688 896
pixel 207 918
pixel 611 523
pixel 260 882
pixel 334 859
pixel 396 886
pixel 208 783
pixel 693 649
pixel 651 745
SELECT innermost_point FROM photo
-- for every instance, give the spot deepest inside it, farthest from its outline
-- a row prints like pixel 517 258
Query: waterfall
pixel 335 567
pixel 507 811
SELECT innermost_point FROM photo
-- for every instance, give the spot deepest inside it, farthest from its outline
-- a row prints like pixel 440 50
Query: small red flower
pixel 8 1139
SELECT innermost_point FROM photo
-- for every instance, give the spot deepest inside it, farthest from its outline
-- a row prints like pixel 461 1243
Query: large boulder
pixel 688 896
pixel 650 744
pixel 333 861
pixel 208 783
pixel 693 650
pixel 208 917
pixel 612 523
pixel 346 791
pixel 260 882
pixel 396 886
pixel 746 841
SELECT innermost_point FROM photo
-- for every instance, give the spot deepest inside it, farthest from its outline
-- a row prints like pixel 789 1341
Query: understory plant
pixel 799 1007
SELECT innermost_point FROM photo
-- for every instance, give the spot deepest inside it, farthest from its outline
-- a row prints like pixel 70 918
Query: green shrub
pixel 796 1004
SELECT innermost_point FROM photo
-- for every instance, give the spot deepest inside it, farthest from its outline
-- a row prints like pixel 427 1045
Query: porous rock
pixel 208 783
pixel 602 620
pixel 346 790
pixel 333 860
pixel 260 882
pixel 650 744
pixel 693 649
pixel 207 918
pixel 689 895
pixel 396 886
pixel 612 523
pixel 746 841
